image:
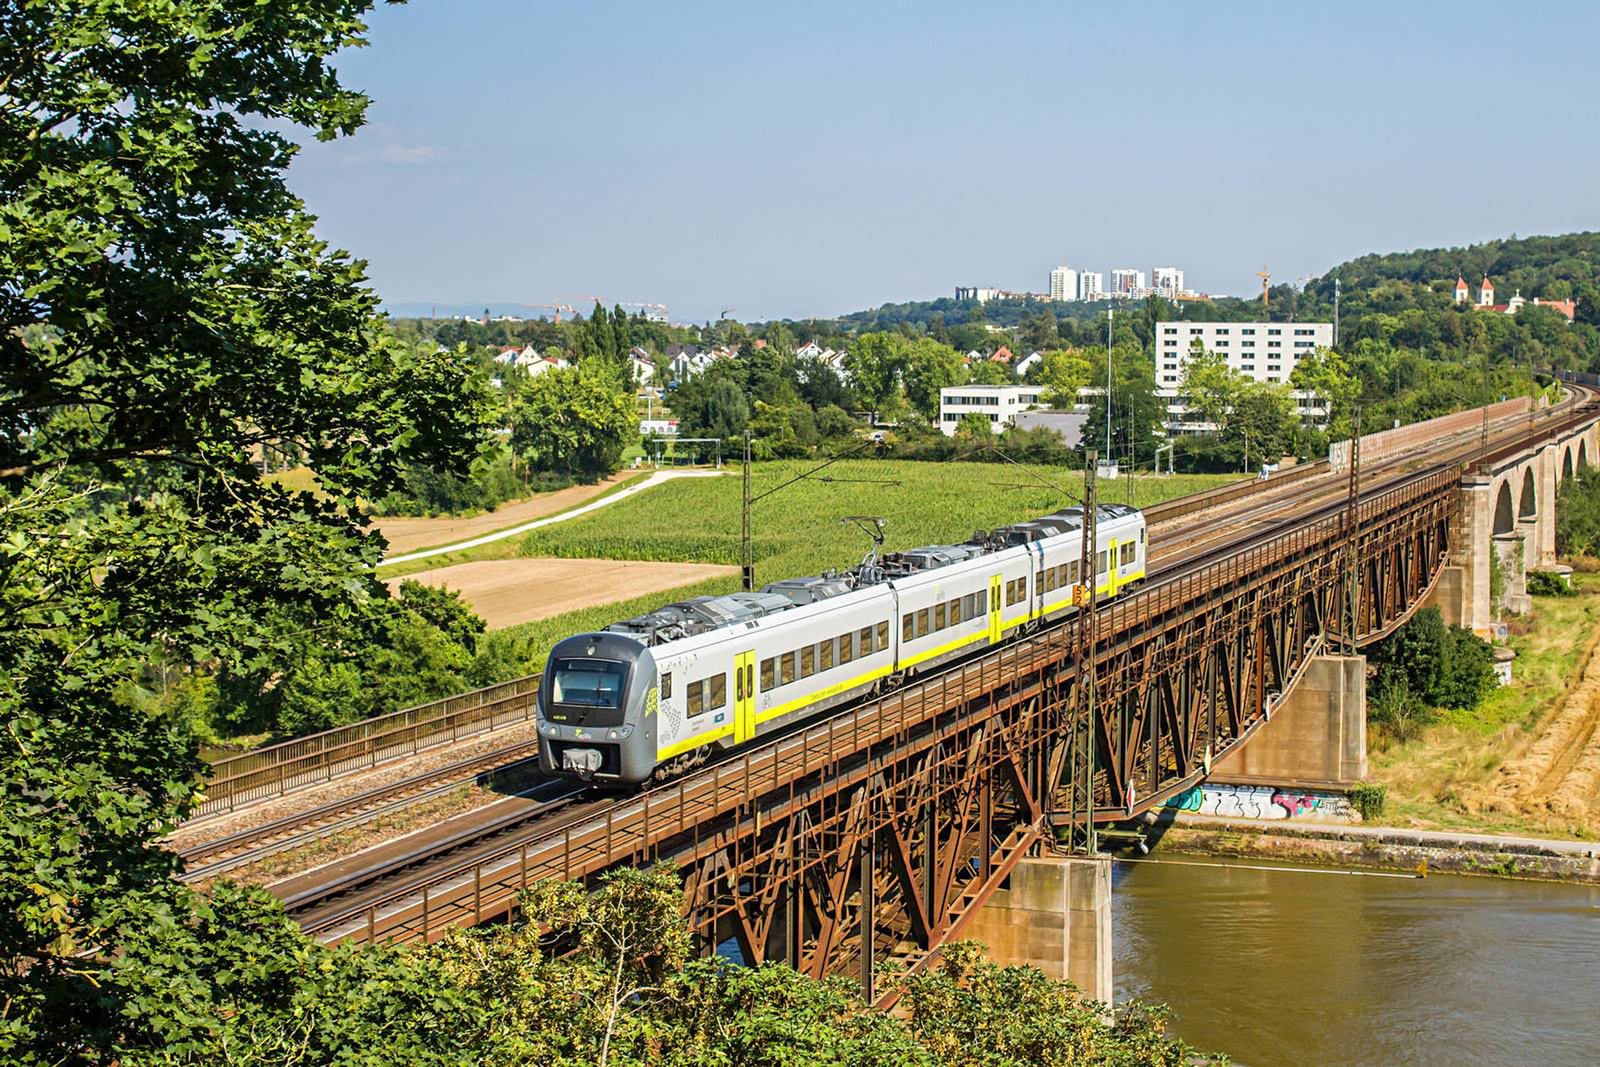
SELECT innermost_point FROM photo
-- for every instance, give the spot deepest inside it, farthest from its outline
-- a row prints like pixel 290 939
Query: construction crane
pixel 653 312
pixel 725 312
pixel 557 309
pixel 1266 300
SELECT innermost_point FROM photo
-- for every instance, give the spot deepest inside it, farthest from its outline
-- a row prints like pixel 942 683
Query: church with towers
pixel 1485 301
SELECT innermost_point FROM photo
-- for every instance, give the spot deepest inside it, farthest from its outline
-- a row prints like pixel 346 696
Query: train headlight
pixel 549 729
pixel 614 735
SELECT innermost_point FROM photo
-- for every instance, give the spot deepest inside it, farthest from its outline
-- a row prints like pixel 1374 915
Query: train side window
pixel 864 640
pixel 717 691
pixel 825 655
pixel 971 610
pixel 847 648
pixel 1061 575
pixel 1038 580
pixel 1072 572
pixel 883 636
pixel 1127 553
pixel 808 661
pixel 924 618
pixel 1049 579
pixel 666 686
pixel 983 602
pixel 1100 563
pixel 940 618
pixel 908 624
pixel 786 668
pixel 697 701
pixel 769 674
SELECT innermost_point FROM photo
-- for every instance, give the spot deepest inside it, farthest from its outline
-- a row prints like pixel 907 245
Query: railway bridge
pixel 889 829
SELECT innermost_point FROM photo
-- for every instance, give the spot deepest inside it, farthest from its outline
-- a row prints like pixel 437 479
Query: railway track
pixel 208 859
pixel 1191 538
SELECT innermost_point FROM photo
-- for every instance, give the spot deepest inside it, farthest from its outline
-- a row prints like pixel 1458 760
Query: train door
pixel 1111 568
pixel 744 697
pixel 995 607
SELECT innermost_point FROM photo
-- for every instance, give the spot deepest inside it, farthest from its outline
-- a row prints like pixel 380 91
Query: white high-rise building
pixel 1126 280
pixel 1263 351
pixel 1168 281
pixel 1091 285
pixel 1063 284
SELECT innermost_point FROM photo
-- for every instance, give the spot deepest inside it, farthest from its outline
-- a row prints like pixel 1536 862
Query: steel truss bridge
pixel 882 830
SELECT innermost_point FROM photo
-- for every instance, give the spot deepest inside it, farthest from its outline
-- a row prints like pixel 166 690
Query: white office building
pixel 1263 351
pixel 1000 404
pixel 1167 281
pixel 1126 280
pixel 1063 284
pixel 1091 285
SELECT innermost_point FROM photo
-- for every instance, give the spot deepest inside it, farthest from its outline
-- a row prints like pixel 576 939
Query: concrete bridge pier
pixel 1054 914
pixel 1317 735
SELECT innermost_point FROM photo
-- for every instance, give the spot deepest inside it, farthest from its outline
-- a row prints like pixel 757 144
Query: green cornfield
pixel 798 530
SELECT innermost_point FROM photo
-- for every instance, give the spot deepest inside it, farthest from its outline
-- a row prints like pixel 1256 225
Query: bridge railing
pixel 274 770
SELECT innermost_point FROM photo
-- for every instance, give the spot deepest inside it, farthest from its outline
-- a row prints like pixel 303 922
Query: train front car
pixel 595 722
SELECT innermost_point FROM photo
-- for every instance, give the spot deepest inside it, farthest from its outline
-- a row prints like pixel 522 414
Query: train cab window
pixel 769 674
pixel 1127 553
pixel 940 618
pixel 883 636
pixel 808 661
pixel 825 655
pixel 864 636
pixel 666 686
pixel 847 648
pixel 786 668
pixel 588 683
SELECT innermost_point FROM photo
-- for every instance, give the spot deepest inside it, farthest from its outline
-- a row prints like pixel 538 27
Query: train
pixel 654 696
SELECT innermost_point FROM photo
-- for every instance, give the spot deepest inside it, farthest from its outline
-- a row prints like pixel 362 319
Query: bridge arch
pixel 1566 463
pixel 1505 519
pixel 1583 453
pixel 1528 506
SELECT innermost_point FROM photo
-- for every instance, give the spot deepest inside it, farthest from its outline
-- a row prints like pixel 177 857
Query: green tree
pixel 876 363
pixel 1327 374
pixel 1062 373
pixel 166 312
pixel 1137 413
pixel 1213 388
pixel 930 367
pixel 1578 514
pixel 574 421
pixel 621 334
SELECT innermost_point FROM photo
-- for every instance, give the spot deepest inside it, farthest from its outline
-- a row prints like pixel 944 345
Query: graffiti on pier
pixel 1264 802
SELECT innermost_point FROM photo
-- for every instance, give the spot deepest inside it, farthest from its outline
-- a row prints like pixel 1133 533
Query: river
pixel 1274 966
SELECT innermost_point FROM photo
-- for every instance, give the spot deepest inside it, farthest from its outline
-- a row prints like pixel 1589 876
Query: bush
pixel 1442 666
pixel 1368 798
pixel 1548 583
pixel 1395 709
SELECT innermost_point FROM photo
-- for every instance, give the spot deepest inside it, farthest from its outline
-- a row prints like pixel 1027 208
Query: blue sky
pixel 799 159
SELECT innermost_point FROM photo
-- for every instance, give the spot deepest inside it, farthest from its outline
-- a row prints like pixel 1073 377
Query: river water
pixel 1274 966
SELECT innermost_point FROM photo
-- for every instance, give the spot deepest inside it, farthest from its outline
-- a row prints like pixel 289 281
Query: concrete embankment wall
pixel 1384 442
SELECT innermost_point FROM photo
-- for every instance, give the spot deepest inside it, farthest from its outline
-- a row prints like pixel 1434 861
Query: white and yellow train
pixel 657 695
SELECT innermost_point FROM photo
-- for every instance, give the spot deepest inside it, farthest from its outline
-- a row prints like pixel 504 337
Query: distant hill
pixel 1553 268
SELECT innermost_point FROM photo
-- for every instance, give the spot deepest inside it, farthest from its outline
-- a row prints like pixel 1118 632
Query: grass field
pixel 797 530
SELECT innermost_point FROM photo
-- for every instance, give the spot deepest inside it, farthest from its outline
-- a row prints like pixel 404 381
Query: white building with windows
pixel 1126 280
pixel 1166 281
pixel 1000 404
pixel 1091 285
pixel 1063 284
pixel 1262 351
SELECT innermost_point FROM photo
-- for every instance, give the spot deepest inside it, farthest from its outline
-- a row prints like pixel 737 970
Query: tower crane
pixel 1266 300
pixel 725 312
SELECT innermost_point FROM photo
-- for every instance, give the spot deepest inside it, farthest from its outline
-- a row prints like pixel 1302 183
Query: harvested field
pixel 509 591
pixel 408 534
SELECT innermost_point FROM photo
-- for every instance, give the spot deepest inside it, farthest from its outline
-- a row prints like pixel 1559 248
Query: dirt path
pixel 509 591
pixel 1556 770
pixel 408 534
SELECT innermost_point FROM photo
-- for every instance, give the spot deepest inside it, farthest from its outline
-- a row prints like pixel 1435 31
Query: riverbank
pixel 1382 848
